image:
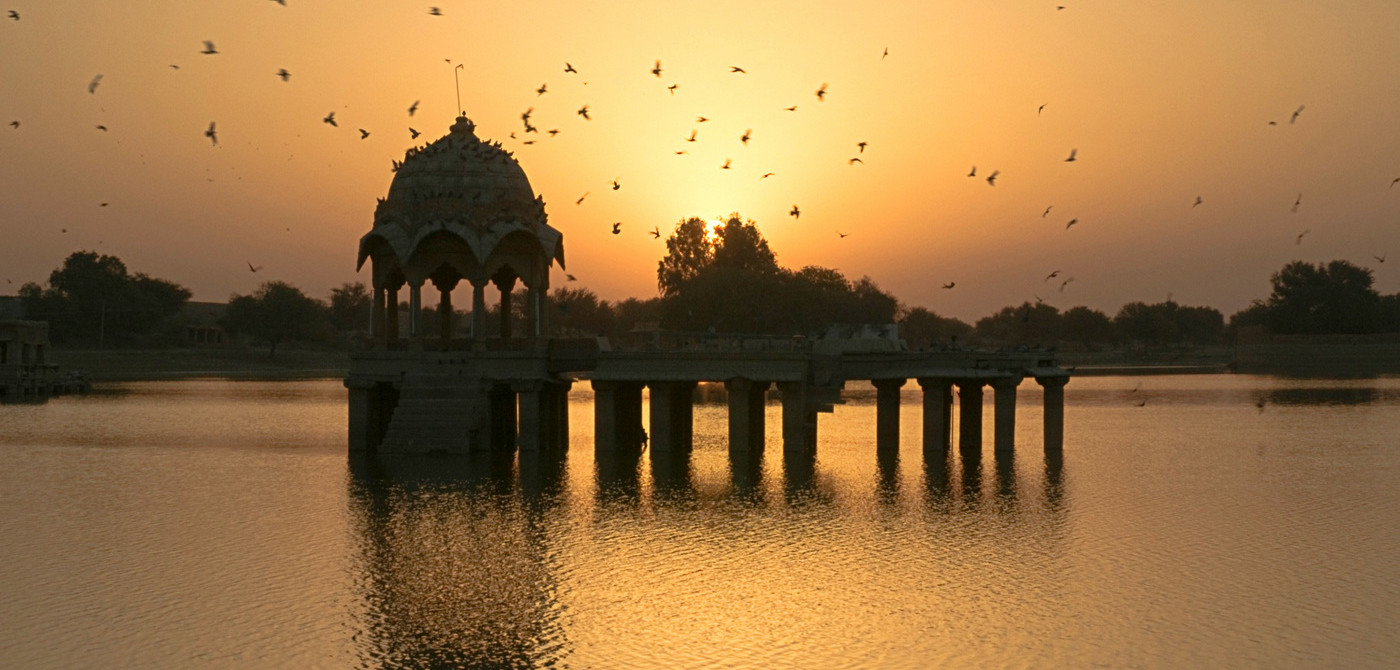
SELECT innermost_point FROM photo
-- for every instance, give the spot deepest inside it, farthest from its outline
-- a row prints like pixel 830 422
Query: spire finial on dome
pixel 463 126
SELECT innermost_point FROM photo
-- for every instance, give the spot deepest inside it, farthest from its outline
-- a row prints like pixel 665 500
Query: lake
pixel 1193 521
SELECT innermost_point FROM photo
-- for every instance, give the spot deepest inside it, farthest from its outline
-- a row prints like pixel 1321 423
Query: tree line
pixel 715 279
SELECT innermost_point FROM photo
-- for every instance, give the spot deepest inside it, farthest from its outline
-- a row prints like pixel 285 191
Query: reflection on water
pixel 198 523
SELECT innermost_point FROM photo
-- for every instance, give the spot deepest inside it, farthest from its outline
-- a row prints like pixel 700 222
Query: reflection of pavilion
pixel 462 209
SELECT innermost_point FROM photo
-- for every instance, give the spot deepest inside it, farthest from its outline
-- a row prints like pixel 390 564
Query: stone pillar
pixel 561 420
pixel 532 311
pixel 1004 426
pixel 799 422
pixel 1054 388
pixel 533 418
pixel 444 286
pixel 415 307
pixel 506 284
pixel 887 413
pixel 745 414
pixel 391 317
pixel 359 413
pixel 478 309
pixel 629 415
pixel 970 414
pixel 503 416
pixel 938 415
pixel 605 429
pixel 379 316
pixel 671 415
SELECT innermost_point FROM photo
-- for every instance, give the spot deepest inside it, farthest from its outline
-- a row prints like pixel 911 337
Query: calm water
pixel 217 523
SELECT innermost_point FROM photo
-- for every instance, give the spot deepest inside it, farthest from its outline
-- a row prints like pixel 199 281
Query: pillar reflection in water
pixel 451 566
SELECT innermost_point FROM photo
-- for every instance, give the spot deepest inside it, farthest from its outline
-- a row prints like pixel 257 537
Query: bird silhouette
pixel 92 85
pixel 682 151
pixel 281 2
pixel 330 118
pixel 1380 258
pixel 251 267
pixel 795 213
pixel 1071 223
pixel 656 69
pixel 570 277
pixel 887 52
pixel 656 232
pixel 765 176
pixel 363 133
pixel 700 119
pixel 284 74
pixel 672 88
pixel 212 134
pixel 14 15
pixel 209 49
pixel 862 146
pixel 616 185
pixel 841 234
pixel 102 127
pixel 790 109
pixel 692 137
pixel 1040 109
pixel 821 93
pixel 734 69
pixel 992 180
pixel 413 134
pixel 435 11
pixel 1198 201
pixel 413 107
pixel 1065 283
pixel 14 124
pixel 1299 240
pixel 972 172
pixel 950 284
pixel 617 228
pixel 553 132
pixel 569 68
pixel 1052 275
pixel 580 198
pixel 544 88
pixel 1297 202
pixel 174 67
pixel 102 204
pixel 1046 212
pixel 1072 154
pixel 1296 112
pixel 854 160
pixel 1394 181
pixel 744 139
pixel 583 111
pixel 726 164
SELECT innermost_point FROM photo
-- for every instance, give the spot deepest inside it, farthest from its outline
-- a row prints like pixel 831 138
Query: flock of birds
pixel 529 130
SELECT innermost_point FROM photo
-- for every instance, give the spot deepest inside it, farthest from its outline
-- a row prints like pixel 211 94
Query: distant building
pixel 201 322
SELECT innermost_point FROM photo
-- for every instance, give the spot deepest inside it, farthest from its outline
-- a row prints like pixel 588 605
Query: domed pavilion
pixel 459 208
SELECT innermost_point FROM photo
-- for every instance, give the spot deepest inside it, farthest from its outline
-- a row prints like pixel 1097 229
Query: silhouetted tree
pixel 1089 326
pixel 1332 298
pixel 578 311
pixel 1028 323
pixel 350 307
pixel 93 298
pixel 277 312
pixel 921 328
pixel 688 251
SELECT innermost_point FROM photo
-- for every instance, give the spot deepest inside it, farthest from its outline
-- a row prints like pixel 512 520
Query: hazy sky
pixel 1164 101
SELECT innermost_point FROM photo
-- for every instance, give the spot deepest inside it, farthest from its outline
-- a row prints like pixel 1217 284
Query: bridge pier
pixel 799 422
pixel 672 415
pixel 938 415
pixel 887 413
pixel 970 415
pixel 1004 401
pixel 746 404
pixel 617 415
pixel 1054 388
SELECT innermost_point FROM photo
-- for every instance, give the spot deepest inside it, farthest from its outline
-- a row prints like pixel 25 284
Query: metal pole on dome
pixel 455 80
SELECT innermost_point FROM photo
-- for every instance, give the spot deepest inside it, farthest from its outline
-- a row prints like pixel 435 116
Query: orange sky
pixel 1164 101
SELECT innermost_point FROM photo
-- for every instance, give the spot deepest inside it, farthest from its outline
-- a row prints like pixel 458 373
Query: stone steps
pixel 435 414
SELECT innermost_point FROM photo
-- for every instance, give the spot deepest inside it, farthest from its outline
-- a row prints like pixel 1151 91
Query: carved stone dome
pixel 470 192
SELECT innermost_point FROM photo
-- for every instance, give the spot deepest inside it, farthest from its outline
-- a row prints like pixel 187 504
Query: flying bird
pixel 616 185
pixel 569 68
pixel 330 118
pixel 744 139
pixel 544 88
pixel 1071 223
pixel 656 69
pixel 281 2
pixel 14 124
pixel 1297 202
pixel 102 127
pixel 570 277
pixel 1072 154
pixel 821 93
pixel 583 111
pixel 14 15
pixel 212 134
pixel 435 11
pixel 887 52
pixel 1052 275
pixel 795 213
pixel 413 133
pixel 1394 181
pixel 1040 109
pixel 553 131
pixel 972 172
pixel 1299 240
pixel 617 228
pixel 92 85
pixel 1046 212
pixel 672 88
pixel 765 176
pixel 841 234
pixel 1198 201
pixel 726 164
pixel 1296 112
pixel 363 133
pixel 853 161
pixel 656 232
pixel 992 180
pixel 1380 258
pixel 700 119
pixel 580 198
pixel 413 107
pixel 209 49
pixel 174 67
pixel 1065 283
pixel 251 268
pixel 692 137
pixel 790 109
pixel 284 74
pixel 862 146
pixel 950 284
pixel 734 69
